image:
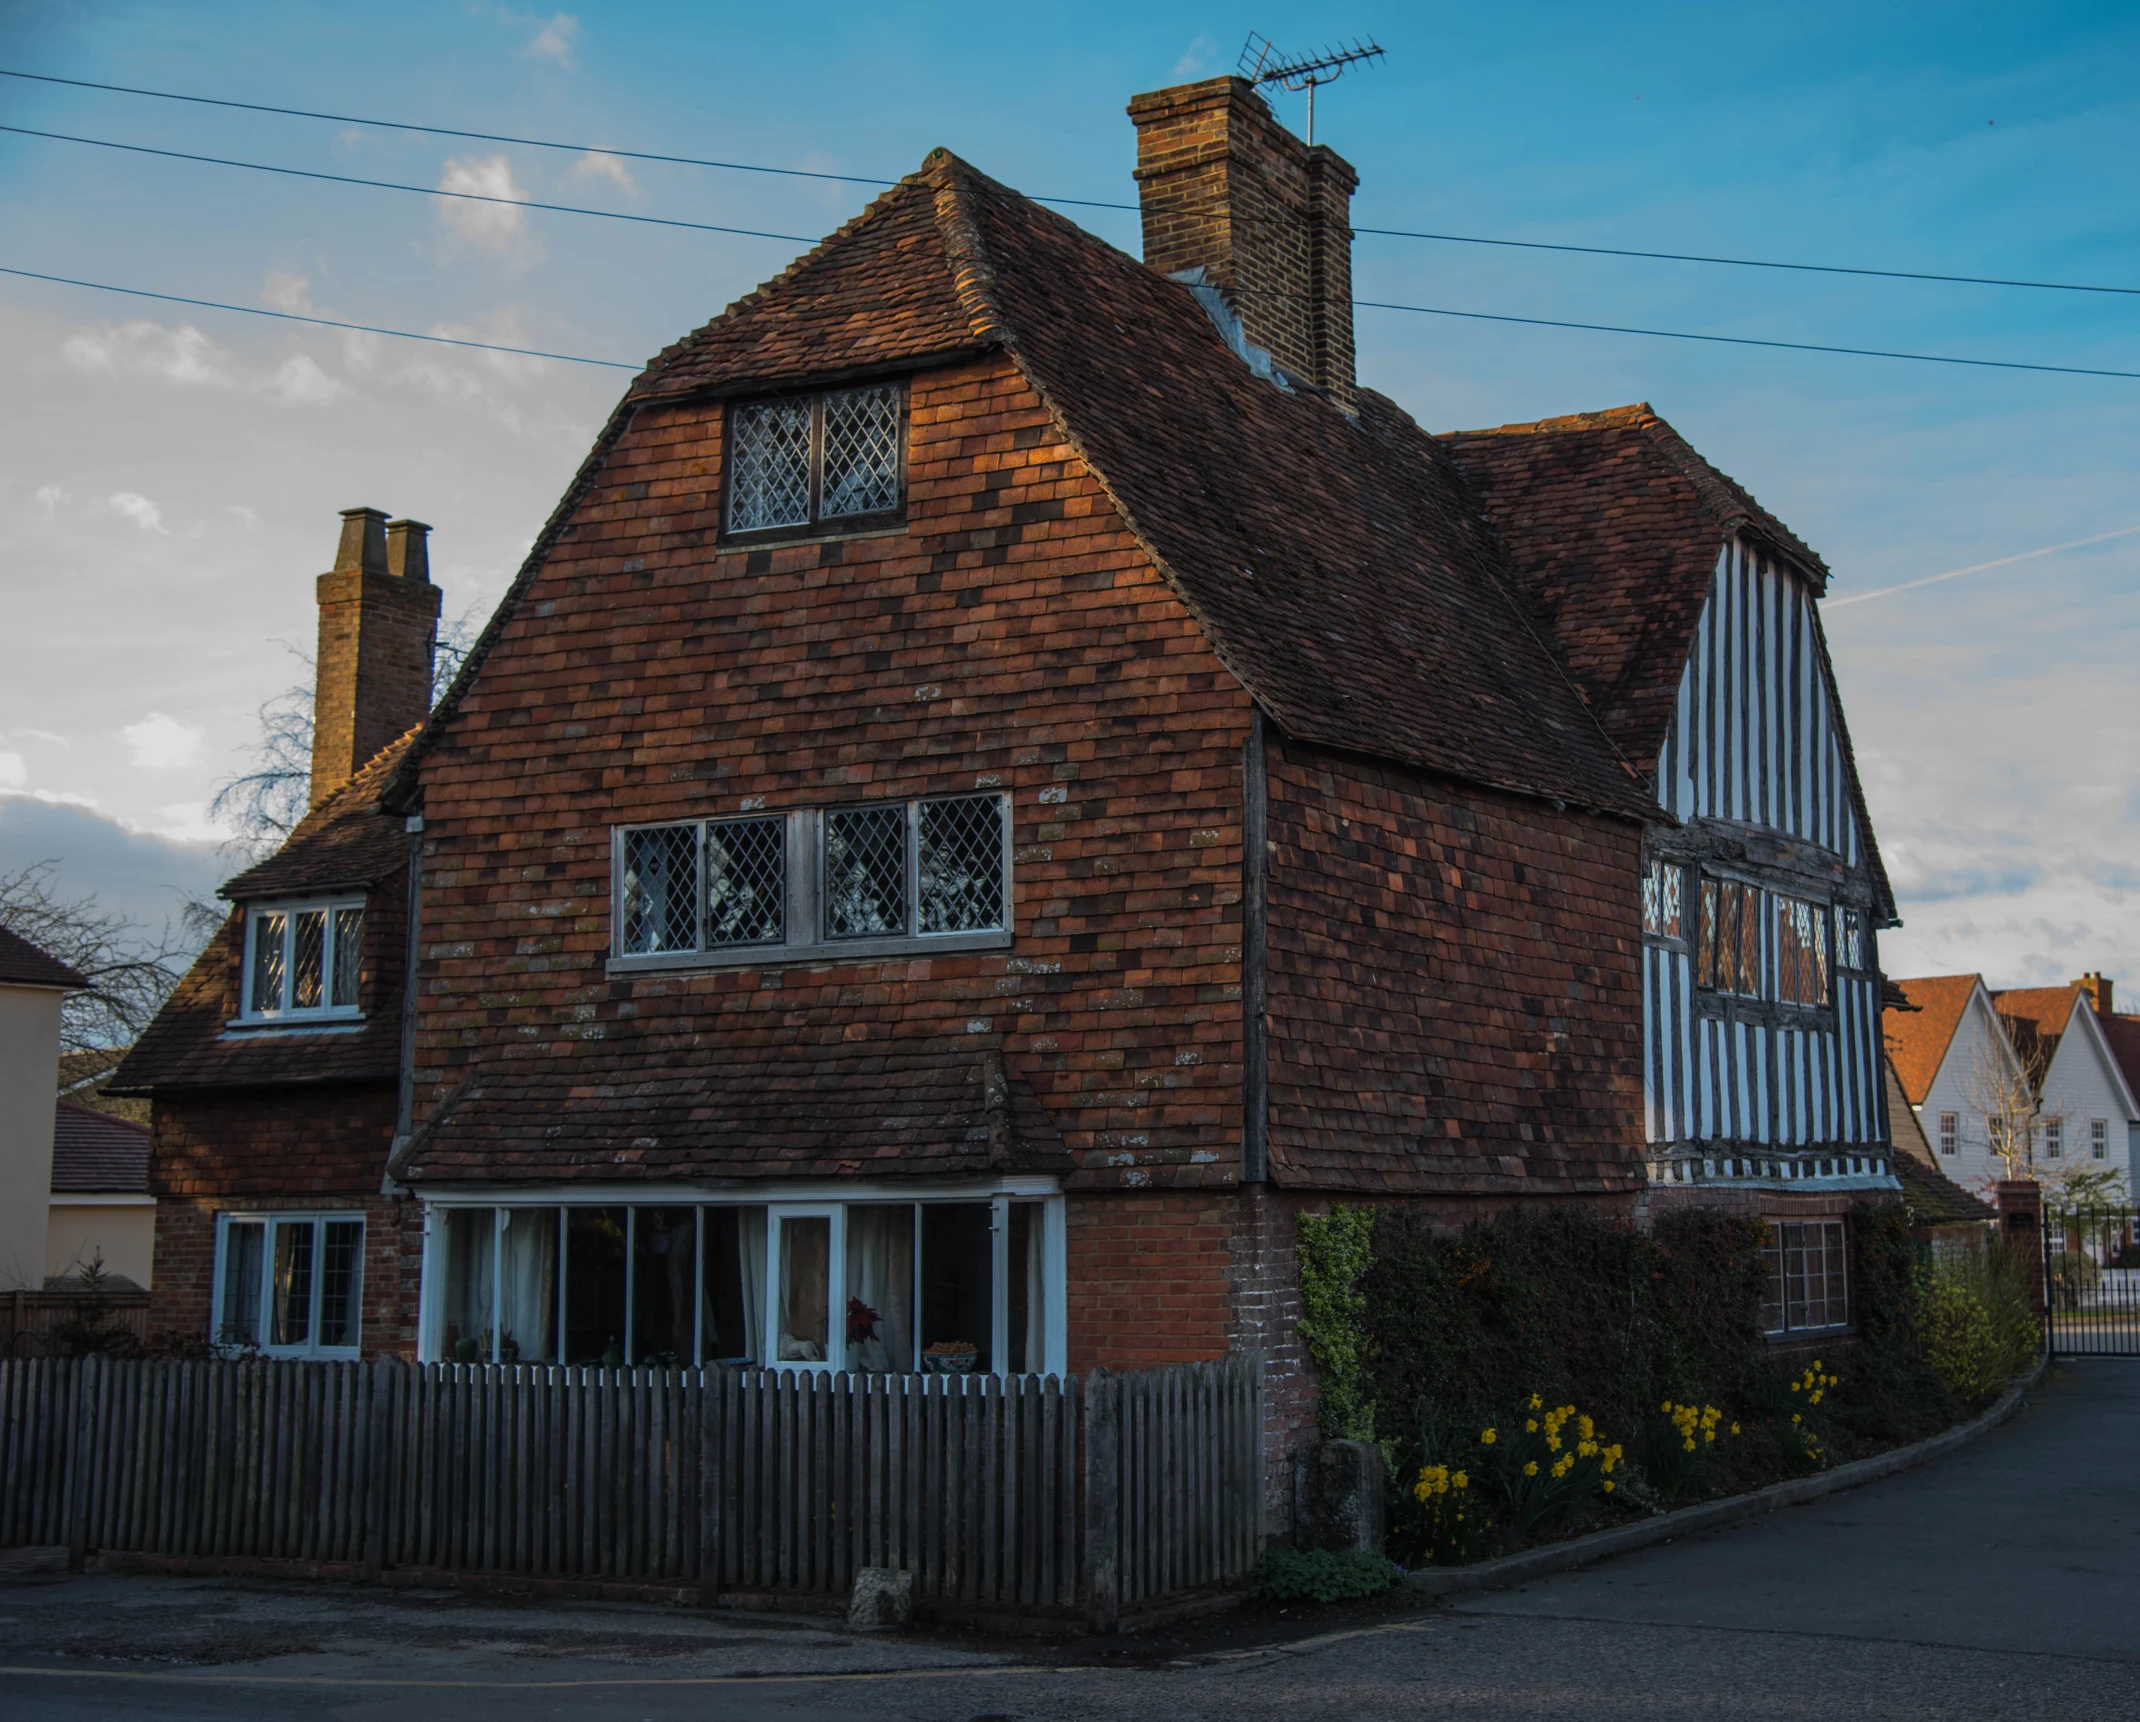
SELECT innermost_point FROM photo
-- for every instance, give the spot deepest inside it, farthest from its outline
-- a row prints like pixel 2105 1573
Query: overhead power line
pixel 1745 341
pixel 1080 202
pixel 321 322
pixel 419 190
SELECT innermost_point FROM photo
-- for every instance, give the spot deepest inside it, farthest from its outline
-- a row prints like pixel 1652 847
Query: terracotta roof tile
pixel 1917 1039
pixel 1934 1199
pixel 94 1153
pixel 345 841
pixel 2123 1033
pixel 22 964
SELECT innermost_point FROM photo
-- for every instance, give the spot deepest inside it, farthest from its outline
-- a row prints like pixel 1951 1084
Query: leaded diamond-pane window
pixel 959 864
pixel 303 961
pixel 769 466
pixel 865 871
pixel 661 889
pixel 746 880
pixel 836 460
pixel 861 452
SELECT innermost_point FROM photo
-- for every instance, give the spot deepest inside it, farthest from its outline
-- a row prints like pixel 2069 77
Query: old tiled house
pixel 1007 773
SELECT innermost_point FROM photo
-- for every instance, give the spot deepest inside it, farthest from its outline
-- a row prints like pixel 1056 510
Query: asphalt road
pixel 2001 1582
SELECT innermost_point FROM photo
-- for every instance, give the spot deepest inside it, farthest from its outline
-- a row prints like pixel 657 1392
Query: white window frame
pixel 1950 1133
pixel 802 907
pixel 269 1220
pixel 2099 1139
pixel 249 1014
pixel 802 1200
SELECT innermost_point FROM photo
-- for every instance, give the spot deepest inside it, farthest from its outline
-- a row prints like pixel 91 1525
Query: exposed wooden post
pixel 1103 1501
pixel 712 1392
pixel 378 1443
pixel 81 1480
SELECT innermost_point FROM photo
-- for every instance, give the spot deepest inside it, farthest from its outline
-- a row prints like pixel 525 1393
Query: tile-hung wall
pixel 964 1282
pixel 1754 742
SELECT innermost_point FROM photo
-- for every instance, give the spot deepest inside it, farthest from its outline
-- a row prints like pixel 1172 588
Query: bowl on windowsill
pixel 950 1357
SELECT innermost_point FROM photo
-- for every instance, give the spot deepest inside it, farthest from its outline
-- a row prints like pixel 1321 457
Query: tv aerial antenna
pixel 1261 63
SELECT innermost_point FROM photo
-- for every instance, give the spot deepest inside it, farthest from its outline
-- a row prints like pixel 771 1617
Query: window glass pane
pixel 880 1289
pixel 661 889
pixel 2054 1139
pixel 746 880
pixel 291 1292
pixel 594 1286
pixel 348 948
pixel 1749 940
pixel 865 871
pixel 1801 952
pixel 805 1288
pixel 769 465
pixel 1660 900
pixel 734 1314
pixel 341 1280
pixel 268 933
pixel 464 1334
pixel 861 452
pixel 527 1287
pixel 239 1320
pixel 308 955
pixel 1713 927
pixel 1772 1298
pixel 664 1282
pixel 959 871
pixel 957 1287
pixel 1026 1341
pixel 1850 939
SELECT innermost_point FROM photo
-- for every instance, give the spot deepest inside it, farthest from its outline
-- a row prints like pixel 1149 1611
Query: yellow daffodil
pixel 1608 1485
pixel 1795 1418
pixel 1531 1469
pixel 1487 1438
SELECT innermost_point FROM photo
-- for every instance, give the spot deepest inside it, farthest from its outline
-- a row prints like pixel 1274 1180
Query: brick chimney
pixel 378 625
pixel 2098 988
pixel 1225 188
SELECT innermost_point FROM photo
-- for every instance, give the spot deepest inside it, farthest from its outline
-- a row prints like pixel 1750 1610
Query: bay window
pixel 871 1286
pixel 302 961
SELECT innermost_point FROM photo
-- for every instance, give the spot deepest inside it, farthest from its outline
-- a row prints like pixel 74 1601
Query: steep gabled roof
pixel 1917 1039
pixel 344 842
pixel 2039 1018
pixel 22 964
pixel 1338 565
pixel 2123 1034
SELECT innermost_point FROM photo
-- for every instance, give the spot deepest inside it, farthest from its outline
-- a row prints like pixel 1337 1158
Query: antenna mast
pixel 1262 63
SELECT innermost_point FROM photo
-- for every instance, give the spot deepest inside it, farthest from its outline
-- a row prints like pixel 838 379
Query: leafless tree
pixel 130 967
pixel 2003 1087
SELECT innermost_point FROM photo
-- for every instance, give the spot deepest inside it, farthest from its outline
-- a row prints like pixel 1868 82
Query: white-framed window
pixel 823 462
pixel 814 883
pixel 1801 951
pixel 1950 1132
pixel 290 1285
pixel 1849 938
pixel 1809 1276
pixel 303 960
pixel 2054 1138
pixel 2098 1138
pixel 958 1282
pixel 1662 910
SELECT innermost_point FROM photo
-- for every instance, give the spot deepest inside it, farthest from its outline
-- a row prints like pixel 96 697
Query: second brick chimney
pixel 378 628
pixel 1227 189
pixel 2097 986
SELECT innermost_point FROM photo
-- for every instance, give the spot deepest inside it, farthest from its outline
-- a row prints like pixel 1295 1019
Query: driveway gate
pixel 2091 1281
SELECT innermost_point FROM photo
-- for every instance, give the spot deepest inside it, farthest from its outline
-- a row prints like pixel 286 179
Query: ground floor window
pixel 952 1284
pixel 1808 1276
pixel 290 1284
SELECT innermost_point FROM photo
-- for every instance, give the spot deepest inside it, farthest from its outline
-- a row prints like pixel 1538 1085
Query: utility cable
pixel 500 137
pixel 419 190
pixel 1744 341
pixel 1080 202
pixel 322 322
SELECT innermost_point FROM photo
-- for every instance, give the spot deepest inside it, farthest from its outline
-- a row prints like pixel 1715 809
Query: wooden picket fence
pixel 1033 1493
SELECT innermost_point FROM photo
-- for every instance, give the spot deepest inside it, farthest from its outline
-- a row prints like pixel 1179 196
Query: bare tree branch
pixel 130 969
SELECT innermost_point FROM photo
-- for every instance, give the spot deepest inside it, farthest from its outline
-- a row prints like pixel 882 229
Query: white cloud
pixel 493 225
pixel 162 743
pixel 188 822
pixel 1195 58
pixel 132 505
pixel 145 349
pixel 554 39
pixel 51 798
pixel 300 379
pixel 49 497
pixel 285 291
pixel 14 771
pixel 600 164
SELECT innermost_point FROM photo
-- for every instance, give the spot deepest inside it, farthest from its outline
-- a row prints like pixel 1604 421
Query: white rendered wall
pixel 123 1232
pixel 2081 1086
pixel 29 1081
pixel 1954 1090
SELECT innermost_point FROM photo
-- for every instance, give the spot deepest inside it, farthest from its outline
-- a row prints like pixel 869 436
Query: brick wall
pixel 1454 987
pixel 306 1141
pixel 377 626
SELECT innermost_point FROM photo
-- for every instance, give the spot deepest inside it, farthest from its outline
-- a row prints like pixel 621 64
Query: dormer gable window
pixel 806 465
pixel 301 961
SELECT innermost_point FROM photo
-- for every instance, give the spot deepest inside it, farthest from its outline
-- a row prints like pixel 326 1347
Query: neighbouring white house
pixel 2047 1075
pixel 101 1213
pixel 32 988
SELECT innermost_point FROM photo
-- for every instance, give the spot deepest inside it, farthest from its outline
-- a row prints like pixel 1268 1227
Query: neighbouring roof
pixel 22 964
pixel 2123 1033
pixel 829 1107
pixel 1934 1199
pixel 1612 524
pixel 94 1153
pixel 1917 1039
pixel 2036 1019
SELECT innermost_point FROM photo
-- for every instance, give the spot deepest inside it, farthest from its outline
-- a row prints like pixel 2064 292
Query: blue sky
pixel 169 477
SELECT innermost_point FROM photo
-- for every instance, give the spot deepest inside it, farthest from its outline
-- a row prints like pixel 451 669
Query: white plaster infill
pixel 1576 1552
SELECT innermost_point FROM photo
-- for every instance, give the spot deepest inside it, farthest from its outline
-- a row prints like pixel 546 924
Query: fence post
pixel 378 1445
pixel 1103 1501
pixel 711 1519
pixel 81 1480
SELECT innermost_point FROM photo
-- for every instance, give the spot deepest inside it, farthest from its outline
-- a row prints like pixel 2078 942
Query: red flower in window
pixel 861 1321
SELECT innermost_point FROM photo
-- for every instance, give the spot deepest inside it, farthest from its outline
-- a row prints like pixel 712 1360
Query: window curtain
pixel 750 1249
pixel 527 1320
pixel 1036 1292
pixel 805 1287
pixel 880 1277
pixel 470 1241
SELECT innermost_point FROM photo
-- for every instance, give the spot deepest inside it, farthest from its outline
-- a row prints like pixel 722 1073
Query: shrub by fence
pixel 1039 1493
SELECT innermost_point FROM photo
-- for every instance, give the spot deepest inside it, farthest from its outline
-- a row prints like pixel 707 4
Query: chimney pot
pixel 363 541
pixel 408 550
pixel 2098 986
pixel 378 627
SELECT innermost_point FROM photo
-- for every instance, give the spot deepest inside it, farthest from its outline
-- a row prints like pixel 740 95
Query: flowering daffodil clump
pixel 1556 1463
pixel 1451 1524
pixel 1680 1438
